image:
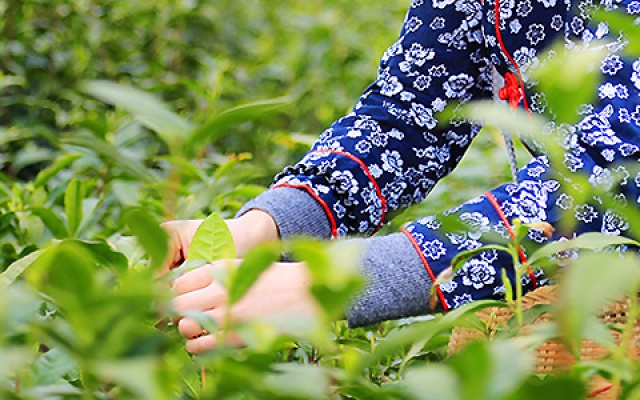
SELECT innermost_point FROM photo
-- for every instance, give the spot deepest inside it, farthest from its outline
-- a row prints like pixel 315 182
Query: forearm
pixel 397 284
pixel 293 211
pixel 251 229
pixel 390 151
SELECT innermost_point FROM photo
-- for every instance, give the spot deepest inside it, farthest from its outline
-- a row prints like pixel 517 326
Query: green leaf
pixel 11 80
pixel 113 156
pixel 502 116
pixel 530 315
pixel 255 262
pixel 139 376
pixel 570 79
pixel 52 366
pixel 433 382
pixel 55 391
pixel 586 241
pixel 621 22
pixel 52 221
pixel 561 387
pixel 128 193
pixel 73 197
pixel 474 364
pixel 590 283
pixel 452 317
pixel 13 359
pixel 299 381
pixel 19 308
pixel 212 241
pixel 334 271
pixel 150 234
pixel 61 163
pixel 6 220
pixel 598 332
pixel 65 272
pixel 17 268
pixel 510 365
pixel 399 339
pixel 508 287
pixel 243 113
pixel 150 111
pixel 103 254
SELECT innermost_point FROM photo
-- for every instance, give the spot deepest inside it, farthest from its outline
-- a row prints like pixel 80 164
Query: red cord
pixel 383 201
pixel 332 221
pixel 600 390
pixel 506 53
pixel 523 257
pixel 416 246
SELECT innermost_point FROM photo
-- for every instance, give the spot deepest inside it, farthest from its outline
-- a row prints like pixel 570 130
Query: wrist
pixel 251 229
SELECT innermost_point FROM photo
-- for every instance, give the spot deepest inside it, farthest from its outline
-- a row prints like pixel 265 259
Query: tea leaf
pixel 17 268
pixel 61 163
pixel 212 241
pixel 138 375
pixel 150 111
pixel 254 263
pixel 586 241
pixel 570 79
pixel 51 366
pixel 213 127
pixel 433 382
pixel 73 197
pixel 13 359
pixel 589 284
pixel 52 221
pixel 114 157
pixel 299 381
pixel 150 235
pixel 563 387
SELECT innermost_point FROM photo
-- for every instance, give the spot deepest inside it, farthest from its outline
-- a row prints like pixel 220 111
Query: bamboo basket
pixel 552 356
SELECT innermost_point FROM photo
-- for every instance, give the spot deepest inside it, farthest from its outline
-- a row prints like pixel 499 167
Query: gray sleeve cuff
pixel 295 212
pixel 397 286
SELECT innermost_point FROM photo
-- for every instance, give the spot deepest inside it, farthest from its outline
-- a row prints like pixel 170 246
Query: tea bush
pixel 116 116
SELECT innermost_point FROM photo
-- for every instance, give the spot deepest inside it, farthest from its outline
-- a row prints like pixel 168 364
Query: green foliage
pixel 117 115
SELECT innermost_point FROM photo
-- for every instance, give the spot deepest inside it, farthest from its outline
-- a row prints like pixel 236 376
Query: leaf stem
pixel 517 309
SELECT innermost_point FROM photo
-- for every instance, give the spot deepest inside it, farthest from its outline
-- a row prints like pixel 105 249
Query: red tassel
pixel 511 90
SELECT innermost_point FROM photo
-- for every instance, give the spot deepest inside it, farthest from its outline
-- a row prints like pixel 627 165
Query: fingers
pixel 191 329
pixel 209 342
pixel 200 340
pixel 201 277
pixel 180 235
pixel 193 280
pixel 209 297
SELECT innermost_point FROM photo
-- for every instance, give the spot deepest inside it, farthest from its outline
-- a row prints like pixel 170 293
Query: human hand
pixel 249 230
pixel 283 289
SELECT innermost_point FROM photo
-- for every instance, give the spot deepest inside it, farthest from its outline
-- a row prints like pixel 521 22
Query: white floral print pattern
pixel 391 149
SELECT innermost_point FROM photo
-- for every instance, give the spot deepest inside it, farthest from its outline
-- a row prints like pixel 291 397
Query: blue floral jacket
pixel 391 150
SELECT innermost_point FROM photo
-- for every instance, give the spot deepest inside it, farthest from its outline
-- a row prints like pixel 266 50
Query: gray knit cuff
pixel 397 286
pixel 295 212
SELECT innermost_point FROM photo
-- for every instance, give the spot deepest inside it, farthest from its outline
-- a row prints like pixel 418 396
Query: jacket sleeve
pixel 390 151
pixel 603 148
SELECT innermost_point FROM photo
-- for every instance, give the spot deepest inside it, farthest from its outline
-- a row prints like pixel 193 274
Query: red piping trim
pixel 507 224
pixel 416 246
pixel 383 201
pixel 600 390
pixel 334 229
pixel 506 53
